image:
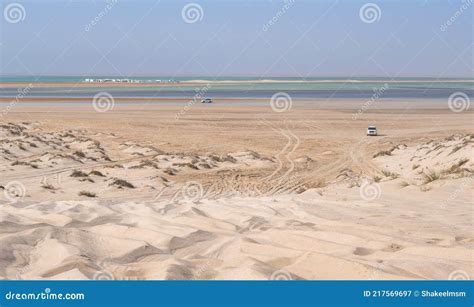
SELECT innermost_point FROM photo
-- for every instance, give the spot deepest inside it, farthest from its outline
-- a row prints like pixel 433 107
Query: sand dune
pixel 89 203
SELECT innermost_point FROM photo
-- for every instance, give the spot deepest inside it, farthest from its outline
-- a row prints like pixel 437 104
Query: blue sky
pixel 235 38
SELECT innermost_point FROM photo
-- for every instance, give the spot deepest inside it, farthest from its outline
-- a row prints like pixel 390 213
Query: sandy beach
pixel 233 191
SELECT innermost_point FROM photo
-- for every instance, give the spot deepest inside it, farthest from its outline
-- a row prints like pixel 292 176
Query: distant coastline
pixel 79 81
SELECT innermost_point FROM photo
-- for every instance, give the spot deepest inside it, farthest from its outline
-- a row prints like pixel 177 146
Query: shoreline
pixel 224 104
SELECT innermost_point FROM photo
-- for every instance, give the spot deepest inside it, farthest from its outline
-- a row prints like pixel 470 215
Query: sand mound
pixel 82 205
pixel 68 165
pixel 421 164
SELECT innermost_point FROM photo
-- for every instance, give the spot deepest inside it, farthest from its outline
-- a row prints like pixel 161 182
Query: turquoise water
pixel 336 88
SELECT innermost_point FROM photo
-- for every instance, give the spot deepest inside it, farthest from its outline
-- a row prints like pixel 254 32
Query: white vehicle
pixel 372 130
pixel 206 100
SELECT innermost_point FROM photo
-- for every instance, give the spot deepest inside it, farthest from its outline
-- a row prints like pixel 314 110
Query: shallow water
pixel 337 89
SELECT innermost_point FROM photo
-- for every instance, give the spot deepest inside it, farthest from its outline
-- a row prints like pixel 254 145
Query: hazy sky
pixel 229 38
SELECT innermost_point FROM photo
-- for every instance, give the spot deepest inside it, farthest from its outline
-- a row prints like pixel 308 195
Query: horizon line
pixel 242 76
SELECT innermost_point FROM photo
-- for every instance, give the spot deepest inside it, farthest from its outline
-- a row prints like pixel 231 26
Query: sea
pixel 296 88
